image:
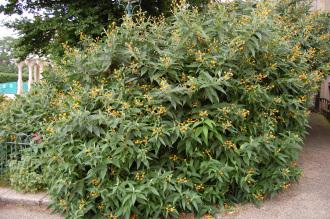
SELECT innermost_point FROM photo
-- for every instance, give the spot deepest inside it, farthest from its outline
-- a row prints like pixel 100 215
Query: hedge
pixel 10 77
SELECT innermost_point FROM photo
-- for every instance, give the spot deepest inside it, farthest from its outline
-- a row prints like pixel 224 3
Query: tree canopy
pixel 62 21
pixel 6 53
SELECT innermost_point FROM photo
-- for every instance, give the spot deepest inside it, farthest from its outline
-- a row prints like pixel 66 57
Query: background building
pixel 321 5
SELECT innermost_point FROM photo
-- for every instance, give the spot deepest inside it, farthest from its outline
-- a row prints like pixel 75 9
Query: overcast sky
pixel 4 31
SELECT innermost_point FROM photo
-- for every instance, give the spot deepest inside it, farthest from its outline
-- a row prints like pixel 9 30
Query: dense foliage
pixel 182 114
pixel 63 21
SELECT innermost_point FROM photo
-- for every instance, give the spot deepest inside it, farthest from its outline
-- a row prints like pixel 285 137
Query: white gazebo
pixel 35 65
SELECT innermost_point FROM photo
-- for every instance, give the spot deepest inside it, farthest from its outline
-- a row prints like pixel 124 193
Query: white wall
pixel 321 5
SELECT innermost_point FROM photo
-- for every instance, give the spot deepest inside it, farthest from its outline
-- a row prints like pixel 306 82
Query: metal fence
pixel 13 150
pixel 322 105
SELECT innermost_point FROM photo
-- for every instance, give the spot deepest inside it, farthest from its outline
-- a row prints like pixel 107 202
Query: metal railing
pixel 322 105
pixel 13 150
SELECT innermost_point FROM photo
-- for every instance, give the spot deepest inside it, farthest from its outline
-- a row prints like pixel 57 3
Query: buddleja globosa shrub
pixel 309 31
pixel 183 114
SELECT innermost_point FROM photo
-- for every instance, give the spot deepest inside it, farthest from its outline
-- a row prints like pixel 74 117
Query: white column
pixel 41 69
pixel 20 78
pixel 36 72
pixel 30 65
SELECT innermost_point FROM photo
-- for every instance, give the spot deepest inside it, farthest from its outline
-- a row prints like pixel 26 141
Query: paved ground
pixel 309 199
pixel 10 196
pixel 11 96
pixel 23 212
